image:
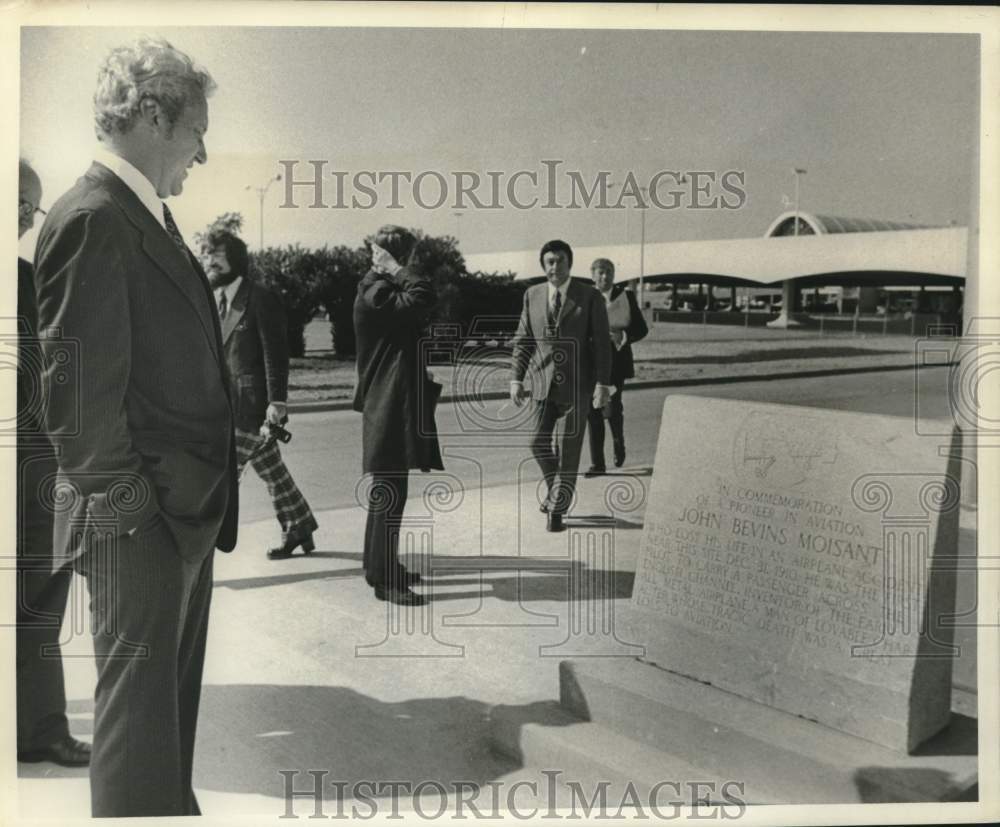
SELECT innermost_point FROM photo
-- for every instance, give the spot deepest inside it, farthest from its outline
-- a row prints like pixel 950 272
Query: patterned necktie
pixel 223 306
pixel 554 309
pixel 172 230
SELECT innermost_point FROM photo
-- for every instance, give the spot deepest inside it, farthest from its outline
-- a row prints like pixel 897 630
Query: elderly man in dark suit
pixel 256 342
pixel 42 727
pixel 627 325
pixel 563 347
pixel 147 456
pixel 396 397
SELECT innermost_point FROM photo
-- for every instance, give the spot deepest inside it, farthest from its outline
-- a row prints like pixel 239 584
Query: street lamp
pixel 642 239
pixel 261 192
pixel 797 172
pixel 642 251
pixel 786 318
pixel 458 224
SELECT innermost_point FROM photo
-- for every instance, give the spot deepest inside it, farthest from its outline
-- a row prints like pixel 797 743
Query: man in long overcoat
pixel 627 325
pixel 396 398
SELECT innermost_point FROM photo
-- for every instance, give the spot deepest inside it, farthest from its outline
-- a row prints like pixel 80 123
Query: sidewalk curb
pixel 347 405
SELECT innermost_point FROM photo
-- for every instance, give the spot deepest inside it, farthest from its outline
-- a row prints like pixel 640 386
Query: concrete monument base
pixel 627 720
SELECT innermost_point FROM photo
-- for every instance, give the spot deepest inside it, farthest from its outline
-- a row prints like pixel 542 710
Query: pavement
pixel 306 671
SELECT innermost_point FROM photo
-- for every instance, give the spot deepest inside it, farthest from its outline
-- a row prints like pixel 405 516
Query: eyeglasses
pixel 26 208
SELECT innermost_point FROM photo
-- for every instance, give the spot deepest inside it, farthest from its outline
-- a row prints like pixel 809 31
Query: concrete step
pixel 777 756
pixel 574 764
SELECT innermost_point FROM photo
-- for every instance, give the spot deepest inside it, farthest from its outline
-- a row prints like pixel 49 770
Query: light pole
pixel 786 318
pixel 642 239
pixel 797 172
pixel 642 251
pixel 261 192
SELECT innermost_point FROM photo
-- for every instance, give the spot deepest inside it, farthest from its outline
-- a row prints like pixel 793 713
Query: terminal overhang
pixel 913 256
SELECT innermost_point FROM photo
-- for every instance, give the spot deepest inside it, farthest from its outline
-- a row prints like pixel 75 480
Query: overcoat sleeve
pixel 600 339
pixel 273 332
pixel 637 327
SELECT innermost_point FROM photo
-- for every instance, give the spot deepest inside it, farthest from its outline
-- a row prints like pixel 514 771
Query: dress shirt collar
pixel 134 180
pixel 561 290
pixel 607 294
pixel 230 290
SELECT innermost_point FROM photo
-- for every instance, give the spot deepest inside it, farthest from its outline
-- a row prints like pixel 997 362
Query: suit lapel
pixel 181 269
pixel 571 302
pixel 540 311
pixel 237 310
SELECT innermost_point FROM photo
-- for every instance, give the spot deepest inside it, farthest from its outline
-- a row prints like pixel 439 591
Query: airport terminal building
pixel 805 269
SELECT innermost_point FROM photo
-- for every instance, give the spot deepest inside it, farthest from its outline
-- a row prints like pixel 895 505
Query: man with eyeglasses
pixel 29 193
pixel 42 584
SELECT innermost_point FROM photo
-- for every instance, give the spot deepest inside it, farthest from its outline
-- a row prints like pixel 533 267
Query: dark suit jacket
pixel 145 426
pixel 569 365
pixel 623 361
pixel 30 392
pixel 393 391
pixel 256 344
pixel 36 461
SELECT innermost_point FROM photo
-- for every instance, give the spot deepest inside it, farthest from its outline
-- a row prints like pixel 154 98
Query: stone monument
pixel 793 593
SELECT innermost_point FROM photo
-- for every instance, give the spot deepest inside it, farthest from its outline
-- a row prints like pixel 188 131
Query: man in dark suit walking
pixel 256 342
pixel 563 347
pixel 627 325
pixel 147 457
pixel 396 398
pixel 42 589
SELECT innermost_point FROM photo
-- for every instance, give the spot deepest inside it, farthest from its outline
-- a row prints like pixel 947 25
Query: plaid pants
pixel 290 506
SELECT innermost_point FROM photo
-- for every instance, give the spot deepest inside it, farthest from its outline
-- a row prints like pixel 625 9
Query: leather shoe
pixel 284 551
pixel 67 752
pixel 554 522
pixel 619 454
pixel 595 471
pixel 400 596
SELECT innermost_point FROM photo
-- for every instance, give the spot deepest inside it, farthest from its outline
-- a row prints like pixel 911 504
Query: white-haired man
pixel 145 437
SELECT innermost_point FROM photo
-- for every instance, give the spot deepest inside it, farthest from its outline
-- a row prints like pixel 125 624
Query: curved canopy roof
pixel 812 224
pixel 910 256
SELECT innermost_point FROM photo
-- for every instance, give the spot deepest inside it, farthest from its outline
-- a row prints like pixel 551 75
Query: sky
pixel 885 125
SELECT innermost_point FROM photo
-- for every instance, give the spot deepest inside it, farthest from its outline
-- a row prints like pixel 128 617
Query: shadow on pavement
pixel 249 732
pixel 238 584
pixel 770 355
pixel 570 583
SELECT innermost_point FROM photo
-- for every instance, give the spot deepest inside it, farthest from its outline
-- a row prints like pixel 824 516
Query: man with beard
pixel 256 343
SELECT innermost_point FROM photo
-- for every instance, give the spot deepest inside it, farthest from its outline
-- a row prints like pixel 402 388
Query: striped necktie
pixel 172 230
pixel 223 306
pixel 554 308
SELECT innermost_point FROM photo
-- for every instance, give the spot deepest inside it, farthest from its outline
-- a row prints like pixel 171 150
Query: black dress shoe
pixel 595 471
pixel 403 578
pixel 284 551
pixel 619 454
pixel 554 522
pixel 401 596
pixel 67 752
